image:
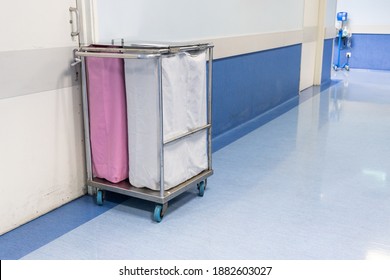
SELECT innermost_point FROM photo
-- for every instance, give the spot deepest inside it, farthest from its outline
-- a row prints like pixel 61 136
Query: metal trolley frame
pixel 97 186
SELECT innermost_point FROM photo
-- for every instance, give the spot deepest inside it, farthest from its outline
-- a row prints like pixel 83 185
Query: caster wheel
pixel 201 188
pixel 158 213
pixel 99 197
pixel 347 67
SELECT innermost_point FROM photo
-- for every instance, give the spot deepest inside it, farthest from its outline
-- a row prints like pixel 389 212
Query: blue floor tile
pixel 29 237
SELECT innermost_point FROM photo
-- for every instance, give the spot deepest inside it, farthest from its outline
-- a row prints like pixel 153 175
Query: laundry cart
pixel 168 92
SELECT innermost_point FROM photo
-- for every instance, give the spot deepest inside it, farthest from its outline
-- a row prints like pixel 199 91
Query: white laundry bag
pixel 184 108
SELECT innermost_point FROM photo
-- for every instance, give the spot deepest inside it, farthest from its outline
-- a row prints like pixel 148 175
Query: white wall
pixel 41 135
pixel 367 16
pixel 330 16
pixel 25 24
pixel 181 20
pixel 234 26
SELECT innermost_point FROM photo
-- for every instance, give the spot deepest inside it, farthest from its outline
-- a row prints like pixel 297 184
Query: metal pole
pixel 209 112
pixel 87 140
pixel 339 45
pixel 193 131
pixel 161 115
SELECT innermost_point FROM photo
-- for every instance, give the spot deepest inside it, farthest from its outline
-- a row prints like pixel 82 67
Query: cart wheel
pixel 99 197
pixel 158 213
pixel 201 188
pixel 347 67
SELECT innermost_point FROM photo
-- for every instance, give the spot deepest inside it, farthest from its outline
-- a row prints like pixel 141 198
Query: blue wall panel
pixel 327 61
pixel 247 86
pixel 369 51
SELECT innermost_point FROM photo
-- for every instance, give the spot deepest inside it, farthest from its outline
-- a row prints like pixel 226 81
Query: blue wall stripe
pixel 232 135
pixel 327 61
pixel 369 51
pixel 247 86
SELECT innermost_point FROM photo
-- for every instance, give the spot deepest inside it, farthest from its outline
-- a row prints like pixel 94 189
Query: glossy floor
pixel 310 184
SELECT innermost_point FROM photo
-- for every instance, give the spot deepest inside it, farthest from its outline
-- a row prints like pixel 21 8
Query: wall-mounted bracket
pixel 75 23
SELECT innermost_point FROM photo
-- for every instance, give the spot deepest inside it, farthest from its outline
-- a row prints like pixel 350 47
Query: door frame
pixel 88 22
pixel 313 34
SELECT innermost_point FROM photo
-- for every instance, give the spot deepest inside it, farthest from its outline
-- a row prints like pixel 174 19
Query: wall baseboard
pixel 232 135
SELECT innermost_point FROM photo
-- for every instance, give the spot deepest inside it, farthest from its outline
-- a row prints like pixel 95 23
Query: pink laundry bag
pixel 107 118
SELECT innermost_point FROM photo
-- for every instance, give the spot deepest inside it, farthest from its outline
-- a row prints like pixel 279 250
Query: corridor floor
pixel 311 184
